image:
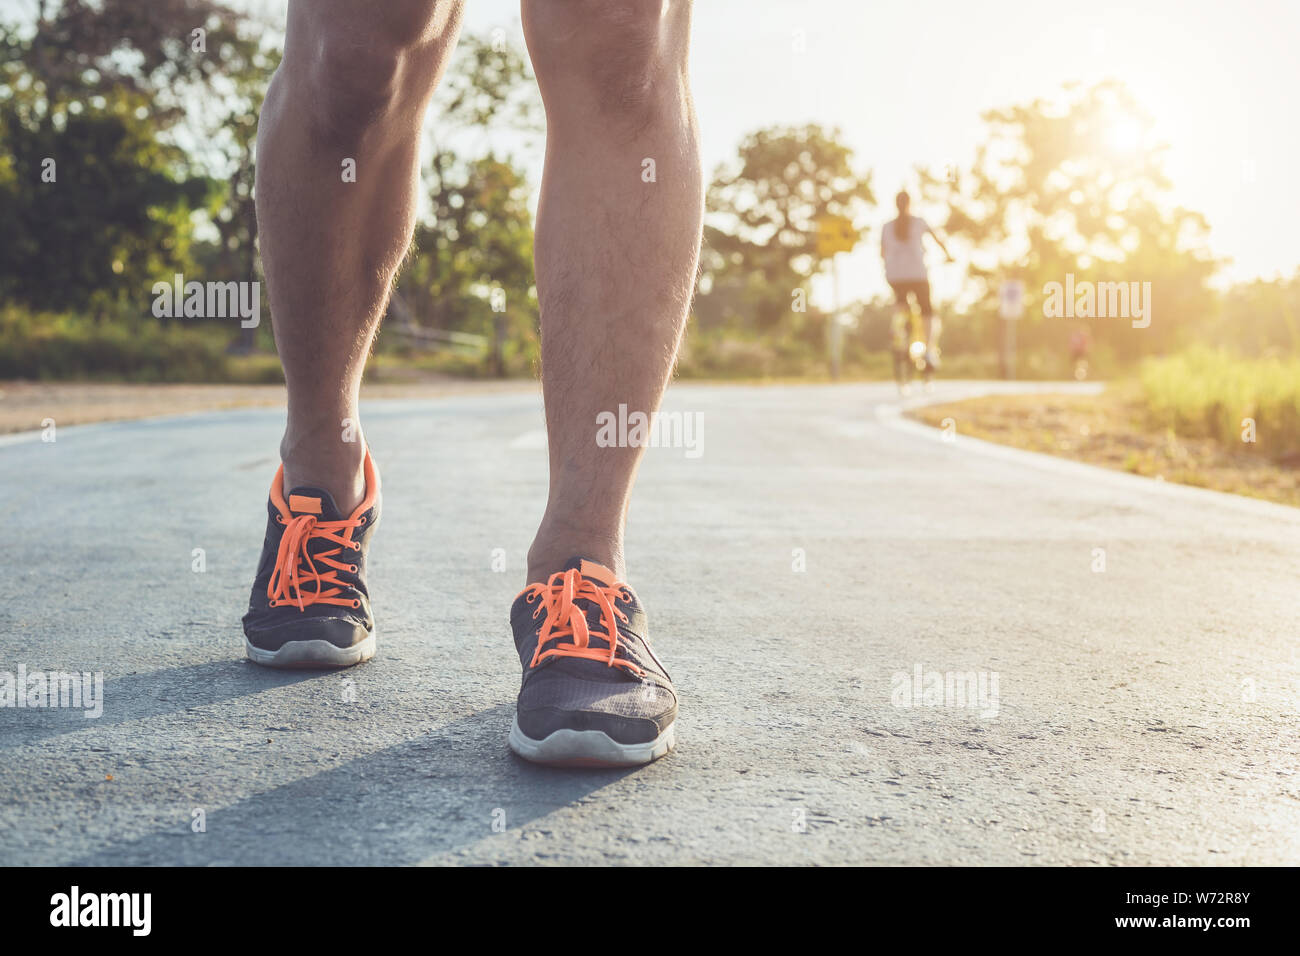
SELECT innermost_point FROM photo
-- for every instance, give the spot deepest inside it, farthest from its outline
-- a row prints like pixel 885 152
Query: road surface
pixel 822 579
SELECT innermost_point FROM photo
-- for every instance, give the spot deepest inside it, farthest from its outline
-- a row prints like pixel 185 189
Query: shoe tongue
pixel 314 501
pixel 591 569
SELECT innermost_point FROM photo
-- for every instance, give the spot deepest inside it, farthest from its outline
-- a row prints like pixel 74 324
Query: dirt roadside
pixel 1110 429
pixel 24 406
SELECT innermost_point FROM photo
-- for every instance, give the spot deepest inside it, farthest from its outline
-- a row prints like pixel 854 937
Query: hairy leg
pixel 350 93
pixel 617 247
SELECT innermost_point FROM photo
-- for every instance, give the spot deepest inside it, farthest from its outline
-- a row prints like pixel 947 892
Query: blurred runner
pixel 905 271
pixel 900 337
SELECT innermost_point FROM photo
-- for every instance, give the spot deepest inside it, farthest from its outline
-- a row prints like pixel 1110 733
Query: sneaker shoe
pixel 310 606
pixel 593 693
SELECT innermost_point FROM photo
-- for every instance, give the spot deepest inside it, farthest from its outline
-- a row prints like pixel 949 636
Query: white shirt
pixel 905 258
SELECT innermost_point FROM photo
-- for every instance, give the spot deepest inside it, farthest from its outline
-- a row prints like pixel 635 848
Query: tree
pixel 148 111
pixel 761 224
pixel 1260 317
pixel 93 207
pixel 474 262
pixel 470 268
pixel 1077 186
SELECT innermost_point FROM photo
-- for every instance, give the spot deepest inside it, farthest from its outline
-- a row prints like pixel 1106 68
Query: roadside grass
pixel 129 348
pixel 1203 393
pixel 1118 429
pixel 46 347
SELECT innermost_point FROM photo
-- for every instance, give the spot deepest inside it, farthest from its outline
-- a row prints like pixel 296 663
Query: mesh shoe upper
pixel 573 678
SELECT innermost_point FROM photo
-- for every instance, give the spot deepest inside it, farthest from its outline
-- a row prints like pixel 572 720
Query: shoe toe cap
pixel 339 631
pixel 628 712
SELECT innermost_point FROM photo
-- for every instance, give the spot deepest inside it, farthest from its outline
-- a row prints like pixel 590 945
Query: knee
pixel 356 75
pixel 352 88
pixel 623 58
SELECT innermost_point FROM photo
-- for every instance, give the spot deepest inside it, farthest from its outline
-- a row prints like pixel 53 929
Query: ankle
pixel 335 465
pixel 556 543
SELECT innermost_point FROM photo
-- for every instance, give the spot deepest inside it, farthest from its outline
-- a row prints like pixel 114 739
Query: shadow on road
pixel 151 694
pixel 399 805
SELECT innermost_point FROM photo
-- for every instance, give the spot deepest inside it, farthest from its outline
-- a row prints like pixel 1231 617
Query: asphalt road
pixel 816 548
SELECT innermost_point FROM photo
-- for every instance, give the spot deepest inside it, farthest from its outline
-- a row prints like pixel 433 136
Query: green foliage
pixel 54 346
pixel 143 120
pixel 476 241
pixel 479 239
pixel 115 218
pixel 153 140
pixel 1208 393
pixel 761 225
pixel 1261 317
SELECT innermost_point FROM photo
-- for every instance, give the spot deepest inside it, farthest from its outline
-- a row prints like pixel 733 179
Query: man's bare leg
pixel 337 163
pixel 352 89
pixel 617 243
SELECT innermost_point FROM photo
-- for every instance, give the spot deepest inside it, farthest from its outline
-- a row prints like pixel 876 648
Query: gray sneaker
pixel 593 692
pixel 310 606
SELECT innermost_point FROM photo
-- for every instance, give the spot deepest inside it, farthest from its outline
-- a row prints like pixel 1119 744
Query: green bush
pixel 1204 393
pixel 56 346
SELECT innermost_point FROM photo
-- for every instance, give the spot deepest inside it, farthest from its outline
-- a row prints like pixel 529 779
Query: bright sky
pixel 908 81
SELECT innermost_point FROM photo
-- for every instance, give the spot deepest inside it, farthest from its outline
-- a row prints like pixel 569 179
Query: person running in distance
pixel 905 271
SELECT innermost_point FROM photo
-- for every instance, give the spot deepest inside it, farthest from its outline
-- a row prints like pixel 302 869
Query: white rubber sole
pixel 592 748
pixel 314 653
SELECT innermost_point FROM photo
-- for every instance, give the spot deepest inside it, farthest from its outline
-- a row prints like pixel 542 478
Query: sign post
pixel 835 234
pixel 1011 306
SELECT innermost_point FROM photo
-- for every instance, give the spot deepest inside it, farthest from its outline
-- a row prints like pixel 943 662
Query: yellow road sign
pixel 835 234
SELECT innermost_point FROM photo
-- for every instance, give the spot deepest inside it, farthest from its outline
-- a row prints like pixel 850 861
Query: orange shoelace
pixel 564 618
pixel 296 566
